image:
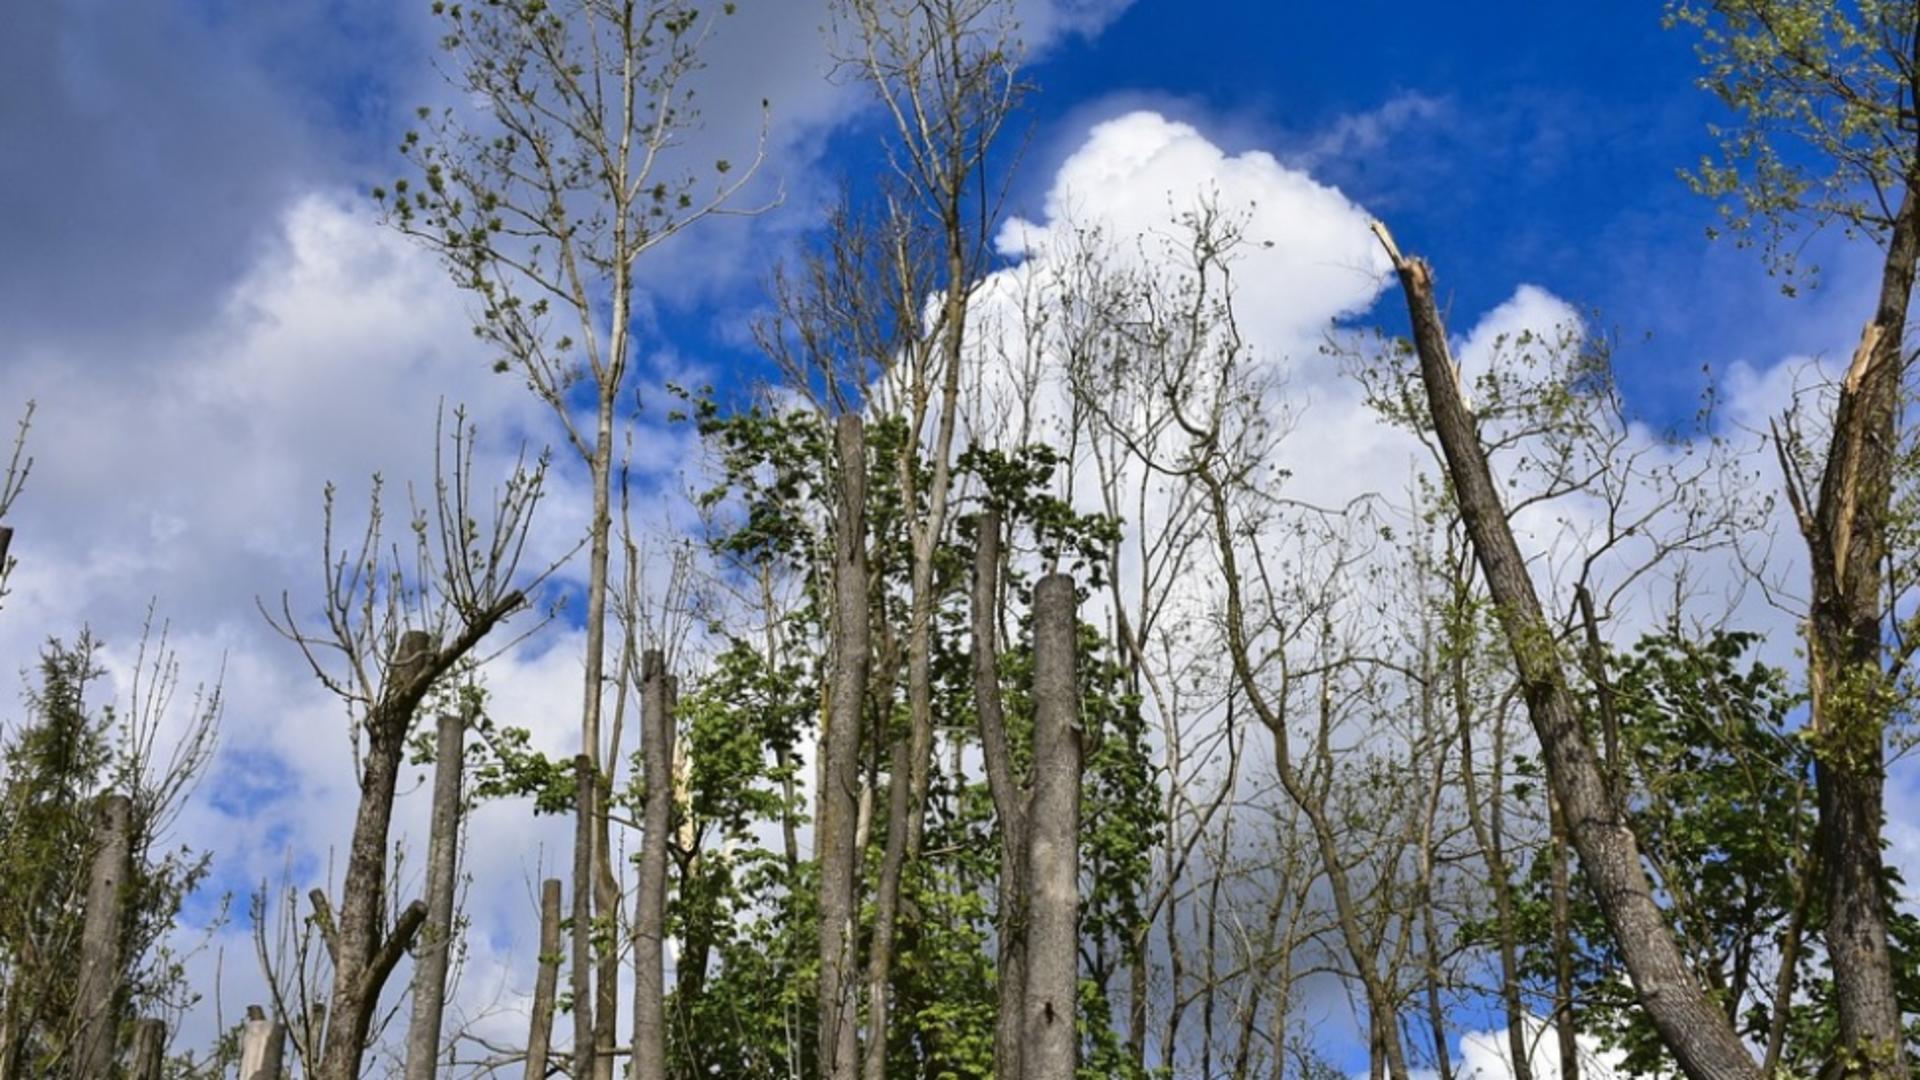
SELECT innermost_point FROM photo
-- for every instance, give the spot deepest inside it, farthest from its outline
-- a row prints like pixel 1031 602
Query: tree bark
pixel 1009 802
pixel 540 1027
pixel 263 1048
pixel 98 991
pixel 1053 851
pixel 149 1049
pixel 1847 538
pixel 443 850
pixel 650 906
pixel 1689 1023
pixel 586 782
pixel 839 853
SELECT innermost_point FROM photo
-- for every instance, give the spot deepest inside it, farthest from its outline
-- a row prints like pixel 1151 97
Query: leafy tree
pixel 59 763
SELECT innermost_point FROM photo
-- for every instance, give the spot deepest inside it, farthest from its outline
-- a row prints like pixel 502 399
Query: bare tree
pixel 391 631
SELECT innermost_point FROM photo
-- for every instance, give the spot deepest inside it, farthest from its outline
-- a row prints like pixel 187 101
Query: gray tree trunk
pixel 587 786
pixel 1053 852
pixel 650 906
pixel 149 1049
pixel 262 1047
pixel 1009 803
pixel 98 989
pixel 1689 1022
pixel 540 1028
pixel 443 849
pixel 836 831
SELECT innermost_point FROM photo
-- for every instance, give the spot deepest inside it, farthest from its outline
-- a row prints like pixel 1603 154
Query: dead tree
pixel 1689 1022
pixel 1053 851
pixel 443 849
pixel 839 855
pixel 650 905
pixel 540 1028
pixel 98 992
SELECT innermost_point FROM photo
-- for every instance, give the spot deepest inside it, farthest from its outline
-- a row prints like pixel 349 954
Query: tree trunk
pixel 1009 802
pixel 540 1027
pixel 839 853
pixel 98 991
pixel 1847 537
pixel 586 782
pixel 443 850
pixel 149 1049
pixel 650 906
pixel 1688 1022
pixel 593 883
pixel 263 1047
pixel 1560 881
pixel 1053 843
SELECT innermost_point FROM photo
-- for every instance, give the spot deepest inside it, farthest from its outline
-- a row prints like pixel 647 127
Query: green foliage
pixel 1718 785
pixel 59 762
pixel 1821 94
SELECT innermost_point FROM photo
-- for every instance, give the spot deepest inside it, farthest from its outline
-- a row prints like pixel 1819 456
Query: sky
pixel 197 292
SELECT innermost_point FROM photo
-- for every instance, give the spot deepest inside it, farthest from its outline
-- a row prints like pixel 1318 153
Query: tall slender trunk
pixel 599 884
pixel 1053 842
pixel 443 848
pixel 1560 882
pixel 650 905
pixel 1009 802
pixel 540 1026
pixel 838 825
pixel 1687 1019
pixel 580 974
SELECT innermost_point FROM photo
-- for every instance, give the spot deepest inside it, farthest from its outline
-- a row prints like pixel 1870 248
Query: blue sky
pixel 194 286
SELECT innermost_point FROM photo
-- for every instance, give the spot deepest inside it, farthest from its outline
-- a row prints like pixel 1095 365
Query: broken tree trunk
pixel 1053 842
pixel 149 1049
pixel 839 851
pixel 1009 803
pixel 98 989
pixel 650 905
pixel 540 1028
pixel 262 1046
pixel 1689 1022
pixel 443 849
pixel 1849 545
